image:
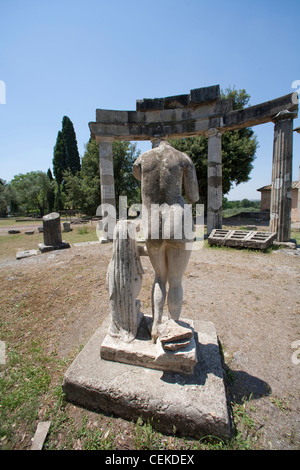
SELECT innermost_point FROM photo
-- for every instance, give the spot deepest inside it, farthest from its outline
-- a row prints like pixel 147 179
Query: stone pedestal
pixel 214 180
pixel 281 192
pixel 52 234
pixel 143 352
pixel 194 404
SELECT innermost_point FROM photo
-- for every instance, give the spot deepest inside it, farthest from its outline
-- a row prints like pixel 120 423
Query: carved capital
pixel 284 115
pixel 213 132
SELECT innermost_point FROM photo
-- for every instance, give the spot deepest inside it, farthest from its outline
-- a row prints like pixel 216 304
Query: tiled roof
pixel 295 185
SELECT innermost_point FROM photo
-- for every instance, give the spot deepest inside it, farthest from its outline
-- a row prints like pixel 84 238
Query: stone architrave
pixel 184 116
pixel 281 192
pixel 52 233
pixel 214 180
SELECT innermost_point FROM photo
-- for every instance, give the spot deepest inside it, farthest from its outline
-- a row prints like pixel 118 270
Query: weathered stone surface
pixel 175 345
pixel 170 331
pixel 67 227
pixel 163 171
pixel 40 435
pixel 26 254
pixel 281 192
pixel 195 404
pixel 52 229
pixel 214 180
pixel 45 248
pixel 52 234
pixel 124 282
pixel 184 116
pixel 242 238
pixel 141 351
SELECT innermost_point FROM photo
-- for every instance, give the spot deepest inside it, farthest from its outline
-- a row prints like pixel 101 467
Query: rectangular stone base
pixel 44 248
pixel 143 352
pixel 195 405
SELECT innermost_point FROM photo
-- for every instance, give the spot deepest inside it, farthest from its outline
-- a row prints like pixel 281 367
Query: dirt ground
pixel 253 298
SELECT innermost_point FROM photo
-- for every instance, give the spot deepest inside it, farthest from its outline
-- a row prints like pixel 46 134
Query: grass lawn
pixel 11 244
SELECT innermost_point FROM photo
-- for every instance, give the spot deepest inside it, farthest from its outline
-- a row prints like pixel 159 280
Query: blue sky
pixel 70 57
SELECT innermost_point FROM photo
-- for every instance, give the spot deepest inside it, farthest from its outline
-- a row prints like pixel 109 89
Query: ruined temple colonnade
pixel 203 112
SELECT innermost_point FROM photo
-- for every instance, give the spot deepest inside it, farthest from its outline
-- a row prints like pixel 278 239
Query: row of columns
pixel 281 193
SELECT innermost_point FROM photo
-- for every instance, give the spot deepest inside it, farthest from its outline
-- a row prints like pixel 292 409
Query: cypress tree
pixel 51 192
pixel 71 148
pixel 59 159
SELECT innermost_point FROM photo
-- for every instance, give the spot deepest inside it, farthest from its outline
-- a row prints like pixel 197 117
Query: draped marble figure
pixel 124 281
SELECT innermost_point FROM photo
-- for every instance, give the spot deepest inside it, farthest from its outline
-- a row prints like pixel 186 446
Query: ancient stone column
pixel 52 229
pixel 155 142
pixel 281 191
pixel 107 186
pixel 52 233
pixel 107 181
pixel 214 180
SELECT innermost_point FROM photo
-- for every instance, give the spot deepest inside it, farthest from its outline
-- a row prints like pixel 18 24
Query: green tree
pixel 65 158
pixel 3 199
pixel 238 150
pixel 59 167
pixel 90 173
pixel 32 191
pixel 51 192
pixel 71 149
pixel 84 187
pixel 124 155
pixel 74 198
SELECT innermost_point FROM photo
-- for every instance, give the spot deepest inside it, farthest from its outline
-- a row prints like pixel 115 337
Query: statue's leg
pixel 157 255
pixel 177 259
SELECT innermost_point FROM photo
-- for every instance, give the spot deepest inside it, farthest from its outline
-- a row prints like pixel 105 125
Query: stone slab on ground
pixel 45 248
pixel 86 243
pixel 40 435
pixel 26 254
pixel 195 404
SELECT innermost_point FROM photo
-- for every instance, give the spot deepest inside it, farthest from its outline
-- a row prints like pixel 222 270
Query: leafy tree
pixel 83 189
pixel 90 174
pixel 74 198
pixel 31 190
pixel 124 155
pixel 3 199
pixel 238 151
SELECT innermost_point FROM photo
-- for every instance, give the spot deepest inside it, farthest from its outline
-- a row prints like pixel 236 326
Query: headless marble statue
pixel 162 172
